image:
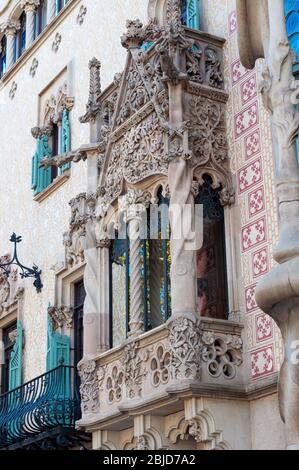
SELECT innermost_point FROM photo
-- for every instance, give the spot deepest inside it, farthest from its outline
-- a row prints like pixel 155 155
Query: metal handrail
pixel 44 403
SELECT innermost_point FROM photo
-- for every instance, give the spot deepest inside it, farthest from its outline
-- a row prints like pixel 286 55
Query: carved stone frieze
pixel 61 316
pixel 184 341
pixel 89 388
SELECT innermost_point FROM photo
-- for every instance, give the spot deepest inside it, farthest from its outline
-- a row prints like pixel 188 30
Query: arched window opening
pixel 3 56
pixel 211 258
pixel 20 44
pixel 191 13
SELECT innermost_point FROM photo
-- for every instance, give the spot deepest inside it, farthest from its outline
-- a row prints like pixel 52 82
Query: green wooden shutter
pixel 65 137
pixel 35 165
pixel 193 20
pixel 15 364
pixel 59 348
pixel 41 177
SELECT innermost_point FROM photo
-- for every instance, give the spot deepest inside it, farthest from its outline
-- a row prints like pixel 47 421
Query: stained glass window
pixel 211 262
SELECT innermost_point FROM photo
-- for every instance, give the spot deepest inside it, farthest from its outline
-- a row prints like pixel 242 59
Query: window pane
pixel 211 269
pixel 119 294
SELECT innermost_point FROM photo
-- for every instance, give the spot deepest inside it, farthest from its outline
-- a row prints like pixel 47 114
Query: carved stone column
pixel 30 6
pixel 96 275
pixel 51 10
pixel 91 306
pixel 278 292
pixel 10 29
pixel 137 203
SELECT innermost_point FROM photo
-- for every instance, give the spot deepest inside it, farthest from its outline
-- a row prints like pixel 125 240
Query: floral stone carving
pixel 135 370
pixel 184 340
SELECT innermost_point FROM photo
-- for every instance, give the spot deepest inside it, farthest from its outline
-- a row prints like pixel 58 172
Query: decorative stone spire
pixel 93 107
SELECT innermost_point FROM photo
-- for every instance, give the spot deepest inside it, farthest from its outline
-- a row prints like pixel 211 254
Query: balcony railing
pixel 46 403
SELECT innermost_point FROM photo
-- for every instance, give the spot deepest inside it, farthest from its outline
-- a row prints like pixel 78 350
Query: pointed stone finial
pixel 93 107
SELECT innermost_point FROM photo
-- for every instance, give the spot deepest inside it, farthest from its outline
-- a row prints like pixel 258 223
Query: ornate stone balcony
pixel 160 368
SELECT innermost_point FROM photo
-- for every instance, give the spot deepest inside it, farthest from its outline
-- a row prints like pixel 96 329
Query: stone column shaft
pixel 10 49
pixel 30 25
pixel 136 289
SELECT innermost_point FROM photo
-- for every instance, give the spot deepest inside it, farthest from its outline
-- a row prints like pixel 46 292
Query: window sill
pixel 43 36
pixel 57 183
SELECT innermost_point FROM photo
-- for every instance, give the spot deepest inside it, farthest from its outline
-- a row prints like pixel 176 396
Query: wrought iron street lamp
pixel 25 272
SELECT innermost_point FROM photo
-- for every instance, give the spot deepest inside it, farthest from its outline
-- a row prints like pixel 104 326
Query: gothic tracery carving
pixel 223 354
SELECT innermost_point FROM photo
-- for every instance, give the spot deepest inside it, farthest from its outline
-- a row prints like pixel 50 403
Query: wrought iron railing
pixel 43 404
